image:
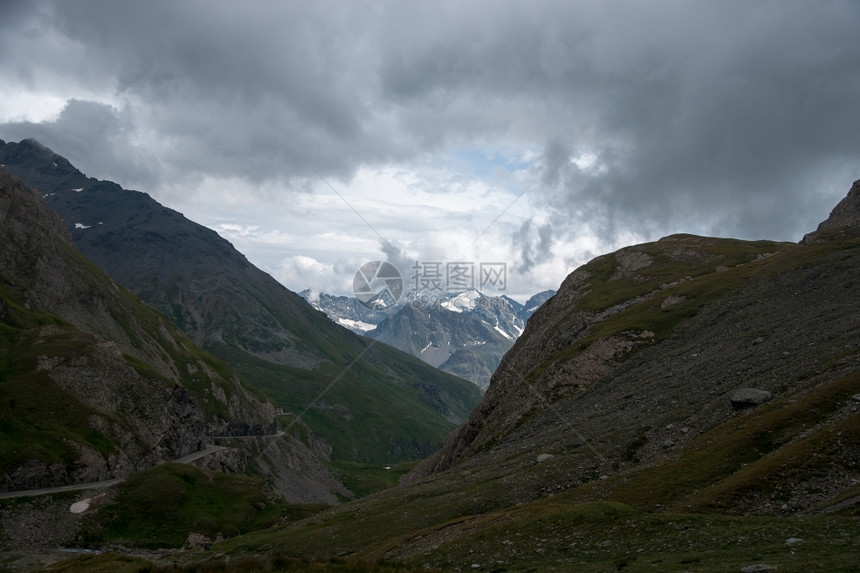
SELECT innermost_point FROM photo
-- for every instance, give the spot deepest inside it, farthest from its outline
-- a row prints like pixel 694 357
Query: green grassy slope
pixel 380 408
pixel 161 506
pixel 38 419
pixel 84 364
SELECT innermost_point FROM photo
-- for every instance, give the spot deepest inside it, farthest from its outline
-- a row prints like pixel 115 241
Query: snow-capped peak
pixel 310 295
pixel 461 301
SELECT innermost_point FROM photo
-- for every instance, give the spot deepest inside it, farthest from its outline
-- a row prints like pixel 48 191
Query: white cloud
pixel 297 272
pixel 26 106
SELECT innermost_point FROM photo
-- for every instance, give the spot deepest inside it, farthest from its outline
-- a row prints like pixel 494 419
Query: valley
pixel 437 287
pixel 691 403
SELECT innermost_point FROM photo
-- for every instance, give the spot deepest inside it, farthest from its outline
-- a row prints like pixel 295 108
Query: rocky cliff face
pixel 644 350
pixel 95 384
pixel 843 222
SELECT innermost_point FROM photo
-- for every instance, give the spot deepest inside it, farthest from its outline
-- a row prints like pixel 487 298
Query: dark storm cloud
pixel 92 133
pixel 728 117
pixel 229 88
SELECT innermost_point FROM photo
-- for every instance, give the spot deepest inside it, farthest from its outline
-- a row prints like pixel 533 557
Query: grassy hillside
pixel 118 563
pixel 380 408
pixel 46 420
pixel 161 506
pixel 95 385
pixel 38 419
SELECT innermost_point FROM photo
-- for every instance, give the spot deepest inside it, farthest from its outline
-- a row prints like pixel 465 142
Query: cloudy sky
pixel 317 136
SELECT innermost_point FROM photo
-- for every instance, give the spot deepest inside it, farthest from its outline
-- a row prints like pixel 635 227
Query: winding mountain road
pixel 192 457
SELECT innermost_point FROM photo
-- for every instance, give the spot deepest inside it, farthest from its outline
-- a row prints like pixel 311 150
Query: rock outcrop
pixel 750 397
pixel 843 222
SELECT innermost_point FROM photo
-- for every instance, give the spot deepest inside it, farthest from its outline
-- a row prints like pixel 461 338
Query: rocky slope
pixel 843 222
pixel 369 401
pixel 643 350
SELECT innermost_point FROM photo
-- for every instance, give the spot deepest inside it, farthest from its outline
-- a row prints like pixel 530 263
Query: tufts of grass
pixel 105 563
pixel 552 535
pixel 775 474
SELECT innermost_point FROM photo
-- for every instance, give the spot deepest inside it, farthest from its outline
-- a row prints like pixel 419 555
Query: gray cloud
pixel 397 255
pixel 729 118
pixel 89 133
pixel 533 245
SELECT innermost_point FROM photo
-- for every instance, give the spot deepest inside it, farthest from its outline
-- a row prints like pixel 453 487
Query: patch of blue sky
pixel 489 163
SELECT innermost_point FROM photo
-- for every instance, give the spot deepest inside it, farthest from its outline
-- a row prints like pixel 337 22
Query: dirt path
pixel 845 503
pixel 194 456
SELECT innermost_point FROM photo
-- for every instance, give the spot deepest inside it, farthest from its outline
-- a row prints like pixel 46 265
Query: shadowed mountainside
pixel 369 402
pixel 95 385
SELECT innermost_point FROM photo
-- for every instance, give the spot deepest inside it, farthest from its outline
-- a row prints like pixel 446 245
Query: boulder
pixel 749 397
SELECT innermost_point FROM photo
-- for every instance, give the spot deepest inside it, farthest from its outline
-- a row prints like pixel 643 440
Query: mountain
pixel 533 303
pixel 463 333
pixel 346 311
pixel 686 404
pixel 684 311
pixel 95 385
pixel 364 400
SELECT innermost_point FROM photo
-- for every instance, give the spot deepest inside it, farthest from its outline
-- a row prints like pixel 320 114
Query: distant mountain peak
pixel 464 333
pixel 310 295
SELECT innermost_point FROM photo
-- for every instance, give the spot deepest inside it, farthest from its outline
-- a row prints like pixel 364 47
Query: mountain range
pixel 463 333
pixel 364 401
